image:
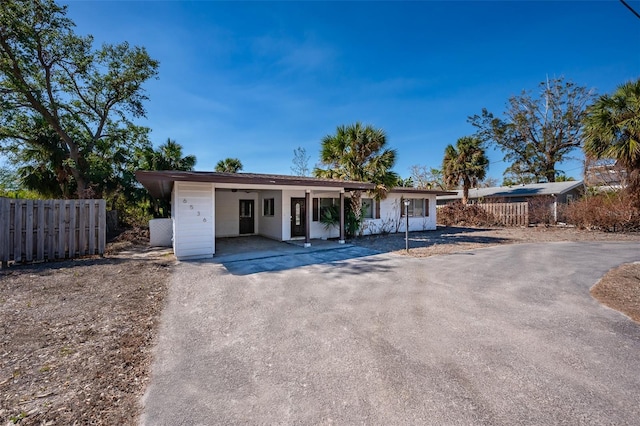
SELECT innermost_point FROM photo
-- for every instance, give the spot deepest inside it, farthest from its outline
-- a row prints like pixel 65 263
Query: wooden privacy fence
pixel 509 214
pixel 37 230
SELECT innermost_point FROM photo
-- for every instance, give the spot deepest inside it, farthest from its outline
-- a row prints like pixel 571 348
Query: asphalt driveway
pixel 504 335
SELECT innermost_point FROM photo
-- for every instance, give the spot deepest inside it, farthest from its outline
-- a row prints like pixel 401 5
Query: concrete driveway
pixel 504 335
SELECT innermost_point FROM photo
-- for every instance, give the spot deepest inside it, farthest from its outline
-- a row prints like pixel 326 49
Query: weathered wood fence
pixel 37 230
pixel 509 214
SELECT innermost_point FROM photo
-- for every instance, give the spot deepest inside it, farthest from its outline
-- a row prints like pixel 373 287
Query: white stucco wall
pixel 287 195
pixel 193 210
pixel 391 220
pixel 271 226
pixel 317 228
pixel 228 212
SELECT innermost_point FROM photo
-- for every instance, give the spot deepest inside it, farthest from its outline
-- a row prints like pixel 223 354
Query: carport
pixel 210 205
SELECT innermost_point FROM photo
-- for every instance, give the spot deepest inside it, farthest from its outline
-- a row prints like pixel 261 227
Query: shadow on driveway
pixel 297 257
pixel 443 235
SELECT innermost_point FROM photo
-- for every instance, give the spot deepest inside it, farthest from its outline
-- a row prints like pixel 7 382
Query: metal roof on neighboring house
pixel 160 183
pixel 528 190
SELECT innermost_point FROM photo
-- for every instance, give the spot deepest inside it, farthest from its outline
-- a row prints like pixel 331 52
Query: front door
pixel 247 225
pixel 298 217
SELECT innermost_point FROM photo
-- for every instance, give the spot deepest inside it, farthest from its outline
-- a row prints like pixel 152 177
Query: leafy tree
pixel 406 182
pixel 465 163
pixel 87 97
pixel 40 163
pixel 538 131
pixel 229 165
pixel 11 185
pixel 488 182
pixel 300 162
pixel 612 130
pixel 564 178
pixel 427 177
pixel 358 153
pixel 515 175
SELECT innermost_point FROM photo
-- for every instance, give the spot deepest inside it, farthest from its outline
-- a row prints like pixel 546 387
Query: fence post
pixel 4 231
pixel 17 231
pixel 92 227
pixel 102 225
pixel 72 229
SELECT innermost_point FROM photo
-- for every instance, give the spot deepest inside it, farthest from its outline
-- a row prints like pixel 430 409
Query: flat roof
pixel 160 183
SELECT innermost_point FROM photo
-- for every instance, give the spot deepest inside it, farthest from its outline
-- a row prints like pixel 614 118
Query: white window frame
pixel 411 207
pixel 371 213
pixel 268 207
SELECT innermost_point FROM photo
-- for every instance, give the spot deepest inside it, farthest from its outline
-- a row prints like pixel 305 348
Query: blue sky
pixel 255 80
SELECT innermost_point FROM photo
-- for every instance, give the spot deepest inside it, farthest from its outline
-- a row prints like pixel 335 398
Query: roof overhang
pixel 160 183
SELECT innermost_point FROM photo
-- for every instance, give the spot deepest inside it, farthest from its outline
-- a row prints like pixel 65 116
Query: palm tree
pixel 43 163
pixel 229 165
pixel 168 156
pixel 358 153
pixel 612 130
pixel 466 163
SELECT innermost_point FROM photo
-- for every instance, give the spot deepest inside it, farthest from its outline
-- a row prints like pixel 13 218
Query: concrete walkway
pixel 502 336
pixel 253 247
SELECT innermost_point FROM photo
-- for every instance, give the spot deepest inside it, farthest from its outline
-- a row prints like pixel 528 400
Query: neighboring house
pixel 542 200
pixel 560 192
pixel 208 205
pixel 605 176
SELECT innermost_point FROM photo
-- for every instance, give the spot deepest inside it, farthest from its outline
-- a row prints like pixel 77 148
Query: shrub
pixel 458 214
pixel 541 210
pixel 605 211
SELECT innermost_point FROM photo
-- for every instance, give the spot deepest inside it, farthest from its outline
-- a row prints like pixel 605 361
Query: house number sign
pixel 184 201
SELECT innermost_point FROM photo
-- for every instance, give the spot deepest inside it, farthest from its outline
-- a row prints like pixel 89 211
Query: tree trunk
pixel 466 184
pixel 633 186
pixel 356 205
pixel 81 184
pixel 550 170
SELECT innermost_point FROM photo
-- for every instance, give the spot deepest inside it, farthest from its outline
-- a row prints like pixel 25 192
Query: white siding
pixel 228 211
pixel 194 220
pixel 392 221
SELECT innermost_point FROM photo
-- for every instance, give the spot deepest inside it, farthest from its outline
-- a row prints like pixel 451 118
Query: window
pixel 326 204
pixel 321 205
pixel 418 207
pixel 367 208
pixel 316 210
pixel 268 207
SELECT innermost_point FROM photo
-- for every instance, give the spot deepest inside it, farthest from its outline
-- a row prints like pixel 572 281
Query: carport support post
pixel 307 222
pixel 406 228
pixel 341 240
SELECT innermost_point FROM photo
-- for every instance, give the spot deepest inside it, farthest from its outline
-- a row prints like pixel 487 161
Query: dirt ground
pixel 76 337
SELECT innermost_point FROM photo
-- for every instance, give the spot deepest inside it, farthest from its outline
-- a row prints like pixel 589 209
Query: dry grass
pixel 619 289
pixel 76 337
